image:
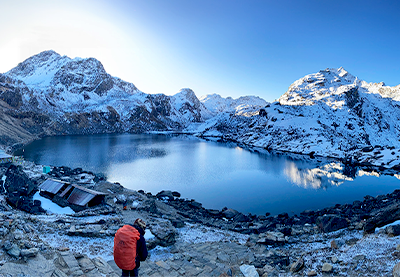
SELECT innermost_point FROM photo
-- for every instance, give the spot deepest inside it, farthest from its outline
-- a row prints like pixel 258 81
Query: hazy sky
pixel 228 47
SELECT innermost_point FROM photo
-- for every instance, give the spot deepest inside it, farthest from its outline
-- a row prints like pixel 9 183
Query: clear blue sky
pixel 228 47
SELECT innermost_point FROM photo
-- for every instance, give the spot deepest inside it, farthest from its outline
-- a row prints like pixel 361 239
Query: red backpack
pixel 125 242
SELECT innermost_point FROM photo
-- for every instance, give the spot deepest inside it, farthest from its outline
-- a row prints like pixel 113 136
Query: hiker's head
pixel 139 222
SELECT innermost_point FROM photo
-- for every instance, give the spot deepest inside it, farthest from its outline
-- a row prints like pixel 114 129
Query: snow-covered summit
pixel 217 104
pixel 328 113
pixel 189 106
pixel 39 70
pixel 333 87
pixel 327 85
pixel 49 70
pixel 79 96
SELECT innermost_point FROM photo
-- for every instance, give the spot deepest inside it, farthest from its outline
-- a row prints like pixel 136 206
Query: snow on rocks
pixel 64 245
pixel 195 233
pixel 330 113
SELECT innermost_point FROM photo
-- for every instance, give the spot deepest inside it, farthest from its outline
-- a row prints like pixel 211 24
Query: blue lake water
pixel 216 174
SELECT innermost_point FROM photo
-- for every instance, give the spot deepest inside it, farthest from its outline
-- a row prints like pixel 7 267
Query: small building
pixel 46 169
pixel 84 197
pixel 75 196
pixel 51 187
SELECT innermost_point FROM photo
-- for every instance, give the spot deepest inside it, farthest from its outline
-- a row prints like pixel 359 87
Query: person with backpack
pixel 130 247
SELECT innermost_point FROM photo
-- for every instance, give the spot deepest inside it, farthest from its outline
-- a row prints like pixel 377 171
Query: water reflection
pixel 322 177
pixel 215 174
pixel 93 153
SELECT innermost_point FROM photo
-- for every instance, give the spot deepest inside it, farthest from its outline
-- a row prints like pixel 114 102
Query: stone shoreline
pixel 189 240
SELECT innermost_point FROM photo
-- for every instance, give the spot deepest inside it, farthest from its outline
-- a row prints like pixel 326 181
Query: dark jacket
pixel 141 248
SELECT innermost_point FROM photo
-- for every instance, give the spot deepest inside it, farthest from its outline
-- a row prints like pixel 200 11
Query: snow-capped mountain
pixel 77 96
pixel 329 113
pixel 217 104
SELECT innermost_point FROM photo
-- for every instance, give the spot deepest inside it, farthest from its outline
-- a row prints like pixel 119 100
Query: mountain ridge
pixel 77 96
pixel 329 113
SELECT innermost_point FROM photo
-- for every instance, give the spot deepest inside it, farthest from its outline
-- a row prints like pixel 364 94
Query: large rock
pixel 241 218
pixel 37 266
pixel 272 238
pixel 102 265
pixel 165 195
pixel 327 268
pixel 17 182
pixel 382 218
pixel 396 270
pixel 393 230
pixel 14 251
pixel 20 189
pixel 164 232
pixel 70 264
pixel 32 252
pixel 296 266
pixel 249 270
pixel 329 223
pixel 230 213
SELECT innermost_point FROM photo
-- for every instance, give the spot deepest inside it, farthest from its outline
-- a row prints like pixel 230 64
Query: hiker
pixel 130 247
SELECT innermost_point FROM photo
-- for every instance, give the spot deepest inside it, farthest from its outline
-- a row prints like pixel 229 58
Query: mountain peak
pixel 39 69
pixel 42 57
pixel 321 85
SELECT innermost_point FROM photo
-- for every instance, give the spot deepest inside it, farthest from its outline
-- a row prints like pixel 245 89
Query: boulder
pixel 296 266
pixel 195 204
pixel 177 223
pixel 14 251
pixel 7 245
pixel 20 190
pixel 249 270
pixel 18 183
pixel 241 218
pixel 329 223
pixel 150 206
pixel 32 252
pixel 393 230
pixel 165 195
pixel 327 268
pixel 383 217
pixel 230 213
pixel 120 199
pixel 102 265
pixel 272 238
pixel 36 266
pixel 18 234
pixel 69 264
pixel 164 232
pixel 396 270
pixel 86 264
pixel 213 212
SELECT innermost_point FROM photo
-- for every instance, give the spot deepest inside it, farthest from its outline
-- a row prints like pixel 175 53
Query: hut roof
pixel 52 186
pixel 81 196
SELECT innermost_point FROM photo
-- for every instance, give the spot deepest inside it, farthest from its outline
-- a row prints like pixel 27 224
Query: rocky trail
pixel 186 239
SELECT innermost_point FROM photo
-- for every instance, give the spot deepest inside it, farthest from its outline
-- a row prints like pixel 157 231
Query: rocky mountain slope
pixel 329 113
pixel 186 239
pixel 50 94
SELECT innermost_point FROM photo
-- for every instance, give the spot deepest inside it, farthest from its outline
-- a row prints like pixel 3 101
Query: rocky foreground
pixel 188 240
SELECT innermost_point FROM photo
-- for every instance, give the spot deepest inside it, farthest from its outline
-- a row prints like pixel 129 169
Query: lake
pixel 216 174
